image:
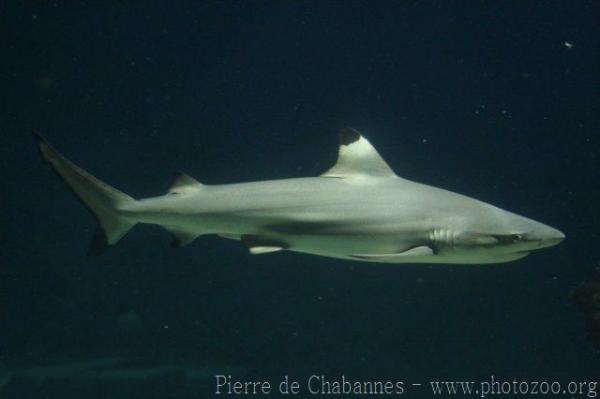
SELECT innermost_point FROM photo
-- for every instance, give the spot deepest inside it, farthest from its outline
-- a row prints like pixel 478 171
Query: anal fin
pixel 263 250
pixel 181 238
pixel 262 245
pixel 230 236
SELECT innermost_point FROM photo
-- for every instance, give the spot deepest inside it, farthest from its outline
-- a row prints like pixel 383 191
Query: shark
pixel 359 209
pixel 88 370
pixel 129 355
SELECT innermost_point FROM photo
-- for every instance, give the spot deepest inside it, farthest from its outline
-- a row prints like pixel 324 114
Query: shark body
pixel 357 210
pixel 129 355
pixel 138 369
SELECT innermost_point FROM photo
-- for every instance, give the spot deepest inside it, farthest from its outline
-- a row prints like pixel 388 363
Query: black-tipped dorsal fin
pixel 357 157
pixel 184 184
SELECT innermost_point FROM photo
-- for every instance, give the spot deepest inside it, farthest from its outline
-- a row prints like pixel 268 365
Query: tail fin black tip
pixel 39 141
pixel 348 136
pixel 101 199
pixel 99 243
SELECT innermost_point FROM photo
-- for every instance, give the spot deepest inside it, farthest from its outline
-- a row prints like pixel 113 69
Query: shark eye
pixel 508 238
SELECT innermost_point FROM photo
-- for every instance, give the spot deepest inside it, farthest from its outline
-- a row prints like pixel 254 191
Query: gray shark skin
pixel 357 210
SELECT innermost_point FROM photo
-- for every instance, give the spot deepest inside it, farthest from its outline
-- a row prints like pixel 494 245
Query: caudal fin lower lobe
pixel 101 199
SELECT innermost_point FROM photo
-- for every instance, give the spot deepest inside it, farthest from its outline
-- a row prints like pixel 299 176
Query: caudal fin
pixel 101 199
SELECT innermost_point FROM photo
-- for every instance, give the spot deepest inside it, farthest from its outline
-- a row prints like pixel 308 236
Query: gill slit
pixel 444 237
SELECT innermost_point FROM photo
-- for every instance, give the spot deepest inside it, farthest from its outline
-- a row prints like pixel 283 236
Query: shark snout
pixel 558 235
pixel 550 237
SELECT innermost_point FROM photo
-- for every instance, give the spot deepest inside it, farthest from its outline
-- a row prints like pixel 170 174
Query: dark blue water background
pixel 482 98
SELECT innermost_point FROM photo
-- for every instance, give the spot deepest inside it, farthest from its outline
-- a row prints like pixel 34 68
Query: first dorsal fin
pixel 184 183
pixel 357 157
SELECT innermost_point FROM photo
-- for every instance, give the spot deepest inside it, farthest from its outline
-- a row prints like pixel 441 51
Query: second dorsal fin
pixel 184 184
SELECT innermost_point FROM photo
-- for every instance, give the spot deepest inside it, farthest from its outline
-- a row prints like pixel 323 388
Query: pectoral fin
pixel 412 252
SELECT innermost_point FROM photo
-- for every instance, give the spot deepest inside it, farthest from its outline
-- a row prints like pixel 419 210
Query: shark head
pixel 500 236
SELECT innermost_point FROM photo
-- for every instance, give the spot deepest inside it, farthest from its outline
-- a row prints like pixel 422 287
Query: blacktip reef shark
pixel 358 210
pixel 129 355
